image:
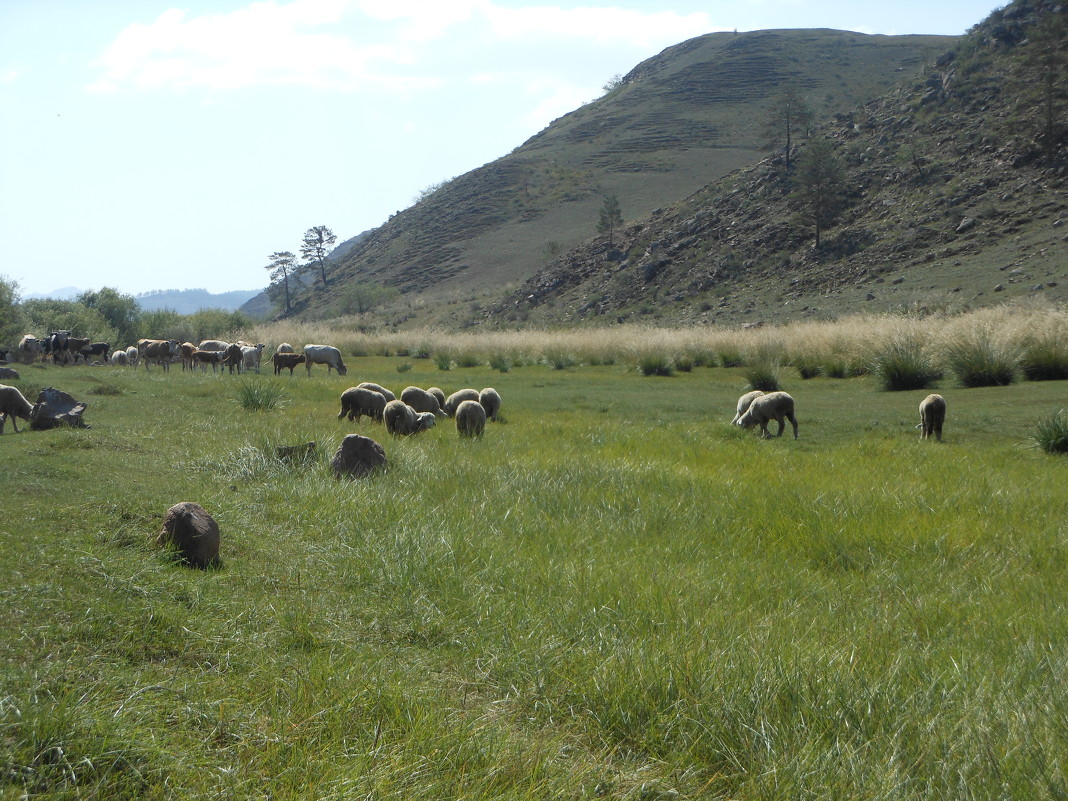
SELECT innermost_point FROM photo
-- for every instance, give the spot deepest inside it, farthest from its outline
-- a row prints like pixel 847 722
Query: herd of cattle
pixel 61 348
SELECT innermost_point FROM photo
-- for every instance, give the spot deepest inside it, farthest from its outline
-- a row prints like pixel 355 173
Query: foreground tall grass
pixel 615 594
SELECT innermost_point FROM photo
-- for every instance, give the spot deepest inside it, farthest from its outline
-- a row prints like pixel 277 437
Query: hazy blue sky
pixel 155 145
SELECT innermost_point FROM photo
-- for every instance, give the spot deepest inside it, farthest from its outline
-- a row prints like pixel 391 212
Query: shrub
pixel 560 360
pixel 1045 358
pixel 807 366
pixel 903 363
pixel 730 357
pixel 501 362
pixel 981 362
pixel 684 363
pixel 404 367
pixel 468 360
pixel 443 361
pixel 655 364
pixel 1052 433
pixel 256 396
pixel 763 375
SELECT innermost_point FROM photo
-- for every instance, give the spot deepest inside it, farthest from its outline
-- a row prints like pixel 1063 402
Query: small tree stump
pixel 192 532
pixel 357 456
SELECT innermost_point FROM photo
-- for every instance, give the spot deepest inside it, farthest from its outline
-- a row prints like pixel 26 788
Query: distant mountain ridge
pixel 189 301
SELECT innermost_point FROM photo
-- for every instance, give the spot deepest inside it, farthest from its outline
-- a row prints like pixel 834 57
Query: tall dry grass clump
pixel 1032 337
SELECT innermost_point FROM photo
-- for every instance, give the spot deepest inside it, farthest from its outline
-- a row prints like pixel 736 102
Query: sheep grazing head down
pixel 777 406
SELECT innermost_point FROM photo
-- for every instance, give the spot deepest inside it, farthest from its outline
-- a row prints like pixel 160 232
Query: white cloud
pixel 10 75
pixel 392 45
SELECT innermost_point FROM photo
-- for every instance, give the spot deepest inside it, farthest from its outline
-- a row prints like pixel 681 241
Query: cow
pixel 160 351
pixel 324 354
pixel 289 360
pixel 251 356
pixel 29 348
pixel 206 357
pixel 234 357
pixel 100 350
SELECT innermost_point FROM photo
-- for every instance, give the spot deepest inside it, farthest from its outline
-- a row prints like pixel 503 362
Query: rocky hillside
pixel 954 197
pixel 691 114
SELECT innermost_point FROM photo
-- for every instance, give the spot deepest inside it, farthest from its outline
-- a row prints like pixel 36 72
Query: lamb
pixel 13 405
pixel 458 397
pixel 470 419
pixel 357 401
pixel 401 419
pixel 932 415
pixel 283 360
pixel 778 406
pixel 381 390
pixel 324 354
pixel 421 401
pixel 491 402
pixel 743 404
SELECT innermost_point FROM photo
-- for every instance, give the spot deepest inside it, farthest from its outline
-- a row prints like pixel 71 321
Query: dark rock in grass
pixel 55 408
pixel 193 534
pixel 357 456
pixel 9 373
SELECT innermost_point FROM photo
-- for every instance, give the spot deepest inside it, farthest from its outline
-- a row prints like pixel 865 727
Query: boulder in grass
pixel 56 408
pixel 357 456
pixel 192 533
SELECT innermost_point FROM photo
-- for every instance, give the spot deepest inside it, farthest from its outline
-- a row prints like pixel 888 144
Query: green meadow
pixel 614 594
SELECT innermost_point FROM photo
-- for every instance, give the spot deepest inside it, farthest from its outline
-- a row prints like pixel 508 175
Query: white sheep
pixel 284 347
pixel 743 404
pixel 458 397
pixel 491 402
pixel 120 358
pixel 132 355
pixel 401 419
pixel 778 406
pixel 421 401
pixel 13 405
pixel 358 401
pixel 470 419
pixel 381 390
pixel 932 416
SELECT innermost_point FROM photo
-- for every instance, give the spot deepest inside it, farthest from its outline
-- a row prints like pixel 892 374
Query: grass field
pixel 614 594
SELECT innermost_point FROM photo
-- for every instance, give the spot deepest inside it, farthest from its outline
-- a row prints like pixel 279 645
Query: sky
pixel 176 145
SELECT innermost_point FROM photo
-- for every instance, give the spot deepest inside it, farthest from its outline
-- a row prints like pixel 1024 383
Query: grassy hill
pixel 691 114
pixel 954 198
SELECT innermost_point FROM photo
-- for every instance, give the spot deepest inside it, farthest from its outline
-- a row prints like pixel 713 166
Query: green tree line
pixel 107 315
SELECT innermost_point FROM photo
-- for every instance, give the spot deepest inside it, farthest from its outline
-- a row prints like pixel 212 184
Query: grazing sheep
pixel 470 419
pixel 283 360
pixel 778 406
pixel 357 401
pixel 401 419
pixel 743 404
pixel 456 398
pixel 381 390
pixel 932 415
pixel 324 354
pixel 284 347
pixel 438 393
pixel 120 358
pixel 421 401
pixel 13 405
pixel 213 344
pixel 491 402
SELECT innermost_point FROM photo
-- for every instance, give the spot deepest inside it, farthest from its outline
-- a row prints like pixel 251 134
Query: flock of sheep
pixel 418 409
